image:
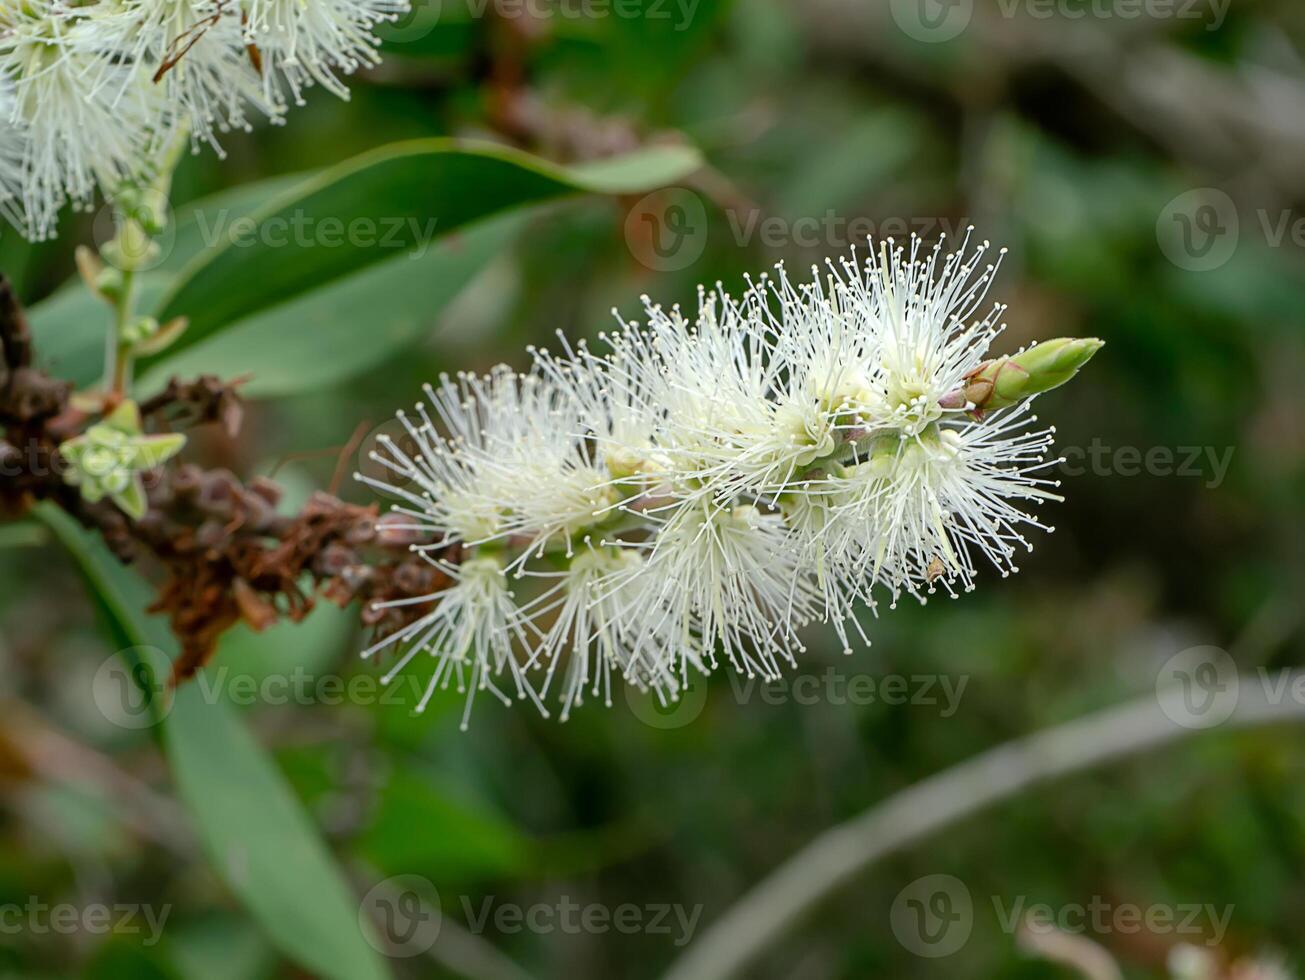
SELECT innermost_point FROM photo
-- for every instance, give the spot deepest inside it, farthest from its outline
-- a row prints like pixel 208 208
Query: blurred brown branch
pixel 227 553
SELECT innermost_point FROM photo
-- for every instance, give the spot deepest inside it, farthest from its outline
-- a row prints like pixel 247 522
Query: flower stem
pixel 118 353
pixel 142 214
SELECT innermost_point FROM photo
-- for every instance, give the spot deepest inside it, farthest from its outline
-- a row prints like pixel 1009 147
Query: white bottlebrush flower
pixel 316 43
pixel 78 136
pixel 13 150
pixel 598 627
pixel 922 306
pixel 497 457
pixel 937 497
pixel 471 633
pixel 718 578
pixel 100 88
pixel 687 406
pixel 714 483
pixel 195 51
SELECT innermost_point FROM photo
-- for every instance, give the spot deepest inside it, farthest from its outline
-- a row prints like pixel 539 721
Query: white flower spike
pixel 93 92
pixel 711 485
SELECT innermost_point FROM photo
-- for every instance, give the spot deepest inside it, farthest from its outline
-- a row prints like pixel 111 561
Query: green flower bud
pixel 140 330
pixel 1003 382
pixel 109 458
pixel 108 284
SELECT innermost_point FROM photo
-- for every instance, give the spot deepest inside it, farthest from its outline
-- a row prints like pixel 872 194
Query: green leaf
pixel 349 327
pixel 284 661
pixel 122 595
pixel 220 946
pixel 198 222
pixel 23 534
pixel 261 839
pixel 383 204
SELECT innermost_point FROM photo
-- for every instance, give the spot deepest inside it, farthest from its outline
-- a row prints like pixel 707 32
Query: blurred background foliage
pixel 1065 139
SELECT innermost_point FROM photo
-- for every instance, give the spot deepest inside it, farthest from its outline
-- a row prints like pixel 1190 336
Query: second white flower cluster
pixel 707 486
pixel 92 91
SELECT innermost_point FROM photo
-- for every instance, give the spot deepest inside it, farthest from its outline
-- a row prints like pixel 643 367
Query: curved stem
pixel 133 247
pixel 843 852
pixel 118 355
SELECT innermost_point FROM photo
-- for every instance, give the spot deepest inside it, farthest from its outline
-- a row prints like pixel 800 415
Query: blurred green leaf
pixel 422 829
pixel 354 324
pixel 262 842
pixel 22 534
pixel 376 207
pixel 121 594
pixel 194 222
pixel 220 947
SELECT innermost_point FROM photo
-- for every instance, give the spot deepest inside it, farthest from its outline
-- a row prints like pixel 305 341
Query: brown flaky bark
pixel 225 551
